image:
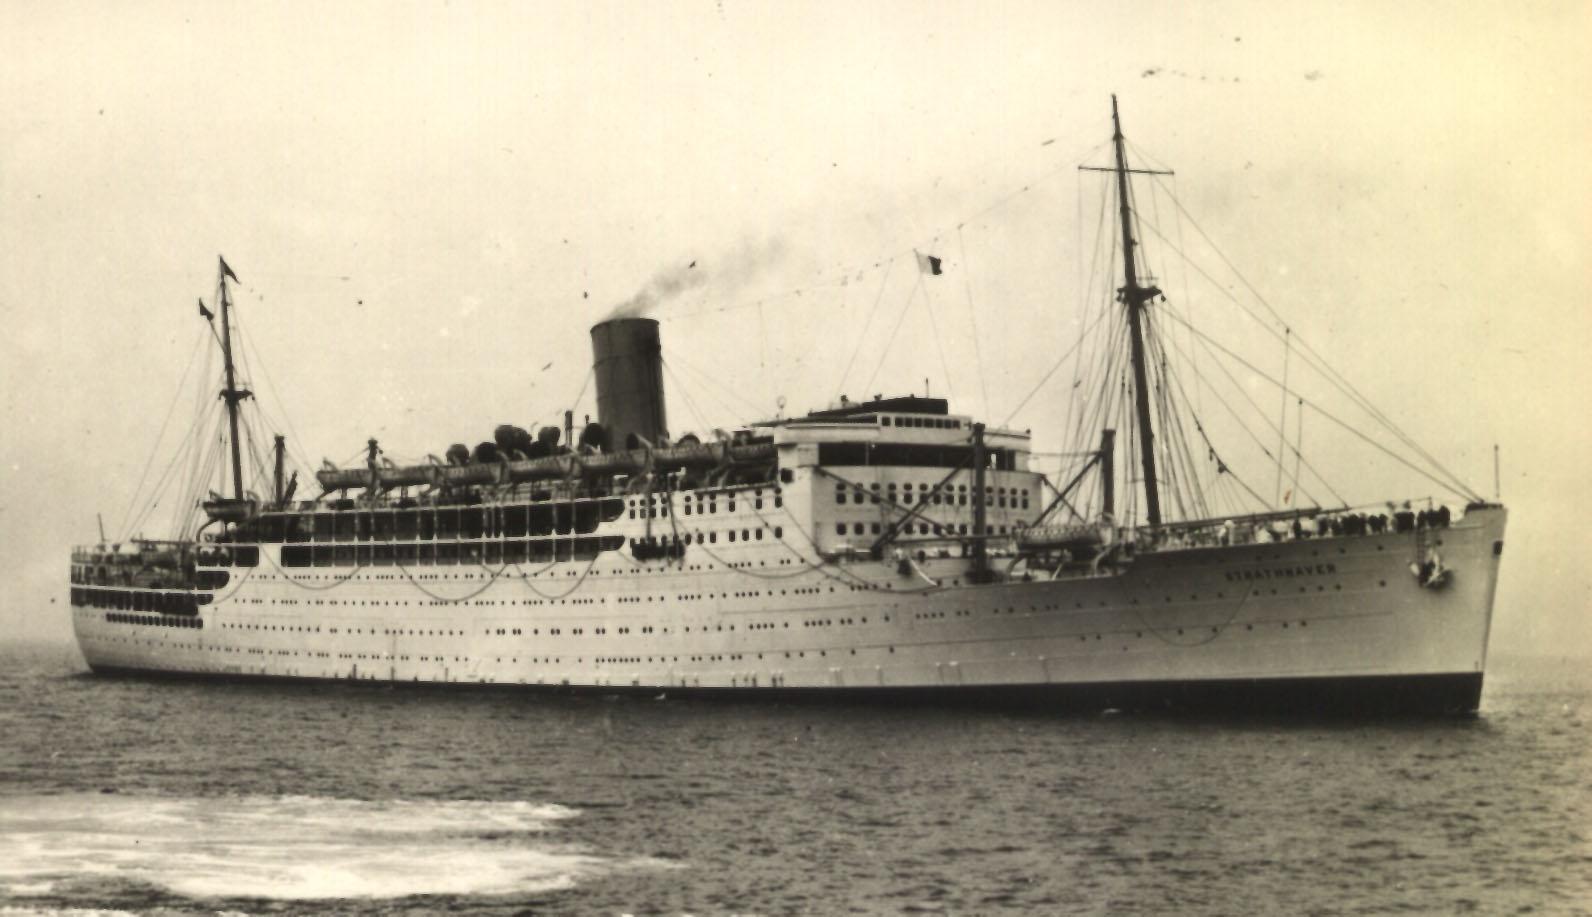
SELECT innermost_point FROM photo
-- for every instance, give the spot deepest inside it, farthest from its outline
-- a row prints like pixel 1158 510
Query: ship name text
pixel 1240 576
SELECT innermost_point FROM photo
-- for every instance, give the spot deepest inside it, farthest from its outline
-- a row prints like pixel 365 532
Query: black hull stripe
pixel 1440 694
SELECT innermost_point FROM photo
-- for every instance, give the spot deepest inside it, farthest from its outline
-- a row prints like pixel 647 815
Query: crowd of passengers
pixel 1323 526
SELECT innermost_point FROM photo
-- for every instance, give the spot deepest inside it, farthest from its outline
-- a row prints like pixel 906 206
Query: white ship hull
pixel 1314 623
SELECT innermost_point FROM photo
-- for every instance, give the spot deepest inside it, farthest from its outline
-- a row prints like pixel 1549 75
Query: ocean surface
pixel 146 797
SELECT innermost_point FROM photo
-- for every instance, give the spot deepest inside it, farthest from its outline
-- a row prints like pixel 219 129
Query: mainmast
pixel 1134 297
pixel 231 394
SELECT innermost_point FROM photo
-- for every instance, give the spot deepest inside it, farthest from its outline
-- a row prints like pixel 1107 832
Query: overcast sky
pixel 428 205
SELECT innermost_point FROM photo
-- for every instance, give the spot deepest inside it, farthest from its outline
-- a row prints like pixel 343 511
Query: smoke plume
pixel 726 274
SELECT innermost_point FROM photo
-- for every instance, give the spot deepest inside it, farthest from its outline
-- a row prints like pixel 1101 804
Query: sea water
pixel 152 797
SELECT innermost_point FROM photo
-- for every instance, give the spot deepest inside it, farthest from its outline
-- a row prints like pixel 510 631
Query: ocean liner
pixel 884 548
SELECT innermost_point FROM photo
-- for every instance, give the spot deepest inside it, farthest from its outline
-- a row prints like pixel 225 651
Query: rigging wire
pixel 884 354
pixel 1187 301
pixel 862 336
pixel 193 356
pixel 1259 412
pixel 188 446
pixel 972 319
pixel 840 275
pixel 1199 427
pixel 690 402
pixel 1319 363
pixel 1180 466
pixel 1169 479
pixel 1106 357
pixel 1344 424
pixel 934 329
pixel 712 381
pixel 1086 295
pixel 575 405
pixel 295 450
pixel 1175 447
pixel 1299 441
pixel 208 454
pixel 157 491
pixel 1043 379
pixel 1172 420
pixel 190 452
pixel 1104 378
pixel 1454 484
pixel 1282 420
pixel 1250 490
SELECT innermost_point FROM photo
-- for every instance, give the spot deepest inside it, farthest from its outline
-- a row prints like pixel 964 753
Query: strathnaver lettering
pixel 1280 572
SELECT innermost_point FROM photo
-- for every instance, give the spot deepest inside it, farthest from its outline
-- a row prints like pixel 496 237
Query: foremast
pixel 1134 297
pixel 231 394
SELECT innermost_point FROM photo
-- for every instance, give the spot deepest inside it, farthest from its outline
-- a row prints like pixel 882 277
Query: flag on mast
pixel 928 264
pixel 209 316
pixel 227 271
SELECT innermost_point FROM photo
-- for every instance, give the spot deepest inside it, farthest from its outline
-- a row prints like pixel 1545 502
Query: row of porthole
pixel 705 568
pixel 1181 631
pixel 700 596
pixel 799 653
pixel 707 507
pixel 712 537
pixel 160 643
pixel 829 622
pixel 993 496
pixel 388 657
pixel 402 603
pixel 597 631
pixel 1336 587
pixel 261 651
pixel 717 628
pixel 1132 601
pixel 594 573
pixel 702 496
pixel 539 660
pixel 923 528
pixel 162 621
pixel 517 631
pixel 712 507
pixel 356 631
pixel 431 577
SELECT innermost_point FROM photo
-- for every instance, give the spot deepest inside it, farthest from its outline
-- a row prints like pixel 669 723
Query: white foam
pixel 295 847
pixel 25 889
